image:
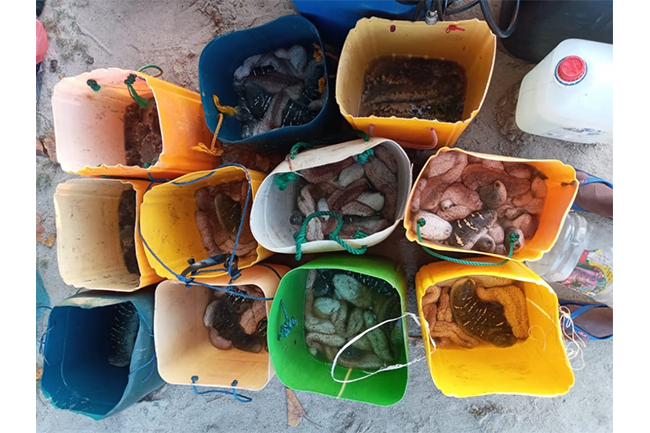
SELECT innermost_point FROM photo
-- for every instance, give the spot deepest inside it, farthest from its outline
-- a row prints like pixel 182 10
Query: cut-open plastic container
pixel 469 43
pixel 168 224
pixel 562 187
pixel 298 369
pixel 99 355
pixel 183 348
pixel 223 55
pixel 273 207
pixel 90 252
pixel 536 366
pixel 88 112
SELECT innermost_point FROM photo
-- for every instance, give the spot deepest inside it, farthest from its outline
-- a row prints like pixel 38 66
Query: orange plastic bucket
pixel 183 348
pixel 88 112
pixel 88 235
pixel 561 186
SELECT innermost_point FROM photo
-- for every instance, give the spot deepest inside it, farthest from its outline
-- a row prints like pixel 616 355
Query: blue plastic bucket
pixel 86 367
pixel 223 55
pixel 335 18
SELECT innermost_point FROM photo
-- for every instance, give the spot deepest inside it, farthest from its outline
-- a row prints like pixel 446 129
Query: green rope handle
pixel 301 236
pixel 514 237
pixel 362 158
pixel 93 85
pixel 363 135
pixel 304 145
pixel 152 66
pixel 300 145
pixel 284 179
pixel 143 103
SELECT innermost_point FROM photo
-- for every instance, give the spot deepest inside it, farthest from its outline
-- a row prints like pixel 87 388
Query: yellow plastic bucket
pixel 89 125
pixel 168 226
pixel 184 353
pixel 469 43
pixel 562 187
pixel 89 252
pixel 536 366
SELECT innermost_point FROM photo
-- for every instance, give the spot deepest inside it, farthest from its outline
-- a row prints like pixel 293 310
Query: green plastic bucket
pixel 299 370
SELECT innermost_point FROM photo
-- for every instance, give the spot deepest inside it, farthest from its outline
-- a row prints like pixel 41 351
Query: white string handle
pixel 390 367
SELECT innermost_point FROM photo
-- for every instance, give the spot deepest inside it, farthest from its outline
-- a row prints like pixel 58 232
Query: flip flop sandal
pixel 590 179
pixel 575 315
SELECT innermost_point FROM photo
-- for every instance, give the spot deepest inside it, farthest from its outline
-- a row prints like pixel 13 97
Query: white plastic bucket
pixel 273 207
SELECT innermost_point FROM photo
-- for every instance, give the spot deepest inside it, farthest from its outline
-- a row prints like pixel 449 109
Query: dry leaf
pixel 39 373
pixel 294 409
pixel 48 241
pixel 40 150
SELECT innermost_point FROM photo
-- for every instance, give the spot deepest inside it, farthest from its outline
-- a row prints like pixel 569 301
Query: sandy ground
pixel 90 34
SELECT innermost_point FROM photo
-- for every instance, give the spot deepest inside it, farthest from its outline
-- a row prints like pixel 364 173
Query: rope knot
pixel 284 179
pixel 93 85
pixel 142 102
pixel 362 158
pixel 300 145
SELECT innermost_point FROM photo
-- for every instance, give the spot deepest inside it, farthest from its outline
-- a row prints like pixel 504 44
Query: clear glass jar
pixel 581 259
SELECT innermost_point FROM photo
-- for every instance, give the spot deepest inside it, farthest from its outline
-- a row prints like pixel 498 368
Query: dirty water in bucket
pixel 407 87
pixel 126 224
pixel 142 135
pixel 341 305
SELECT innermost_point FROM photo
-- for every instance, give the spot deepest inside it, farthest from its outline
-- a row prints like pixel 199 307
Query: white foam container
pixel 272 207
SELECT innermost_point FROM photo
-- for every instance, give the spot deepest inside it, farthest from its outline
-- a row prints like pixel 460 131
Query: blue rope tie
pixel 514 237
pixel 230 263
pixel 289 322
pixel 240 398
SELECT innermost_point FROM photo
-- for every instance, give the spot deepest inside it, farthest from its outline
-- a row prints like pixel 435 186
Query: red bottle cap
pixel 571 70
